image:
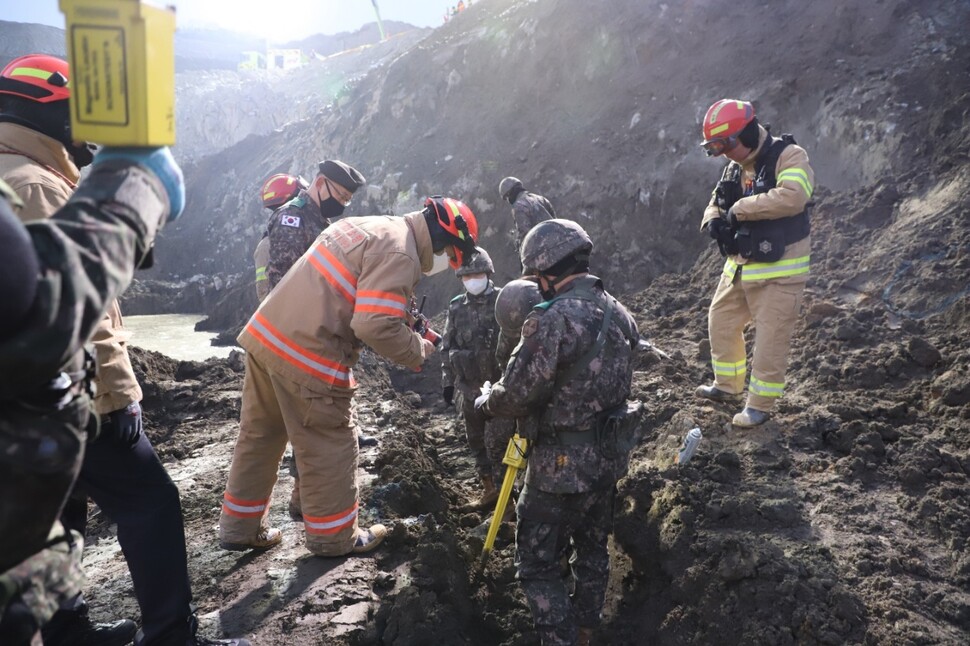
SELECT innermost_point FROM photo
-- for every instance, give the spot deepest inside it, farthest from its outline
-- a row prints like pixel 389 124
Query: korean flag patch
pixel 290 221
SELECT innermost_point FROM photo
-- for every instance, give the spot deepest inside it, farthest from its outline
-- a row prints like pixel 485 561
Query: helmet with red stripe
pixel 723 123
pixel 451 222
pixel 280 189
pixel 37 77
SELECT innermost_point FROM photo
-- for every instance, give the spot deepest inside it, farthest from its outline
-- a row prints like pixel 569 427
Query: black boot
pixel 75 628
pixel 366 440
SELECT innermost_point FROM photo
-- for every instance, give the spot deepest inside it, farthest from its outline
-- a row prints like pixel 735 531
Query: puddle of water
pixel 174 336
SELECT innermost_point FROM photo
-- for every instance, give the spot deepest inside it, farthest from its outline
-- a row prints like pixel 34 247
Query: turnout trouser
pixel 773 307
pixel 319 425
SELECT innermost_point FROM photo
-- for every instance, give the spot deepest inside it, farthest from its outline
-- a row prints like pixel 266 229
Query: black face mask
pixel 82 154
pixel 331 208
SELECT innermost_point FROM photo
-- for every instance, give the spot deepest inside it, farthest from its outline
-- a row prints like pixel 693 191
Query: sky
pixel 280 20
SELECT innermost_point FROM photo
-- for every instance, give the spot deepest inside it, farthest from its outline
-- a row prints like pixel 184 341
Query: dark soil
pixel 844 520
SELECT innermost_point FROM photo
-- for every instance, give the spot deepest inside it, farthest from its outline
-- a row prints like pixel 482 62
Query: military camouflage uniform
pixel 566 506
pixel 292 229
pixel 87 254
pixel 468 361
pixel 529 210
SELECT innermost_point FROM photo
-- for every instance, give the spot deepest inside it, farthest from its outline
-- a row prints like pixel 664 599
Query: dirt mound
pixel 846 519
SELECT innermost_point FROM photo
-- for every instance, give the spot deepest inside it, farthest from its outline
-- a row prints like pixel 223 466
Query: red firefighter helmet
pixel 457 221
pixel 280 189
pixel 37 77
pixel 723 123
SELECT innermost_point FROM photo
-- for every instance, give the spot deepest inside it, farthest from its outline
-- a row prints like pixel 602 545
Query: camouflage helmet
pixel 551 241
pixel 508 185
pixel 513 304
pixel 480 263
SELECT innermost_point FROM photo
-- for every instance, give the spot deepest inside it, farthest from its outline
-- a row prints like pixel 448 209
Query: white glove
pixel 481 399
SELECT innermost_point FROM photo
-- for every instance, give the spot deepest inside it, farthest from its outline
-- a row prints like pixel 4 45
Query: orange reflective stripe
pixel 243 508
pixel 320 367
pixel 333 524
pixel 334 271
pixel 376 302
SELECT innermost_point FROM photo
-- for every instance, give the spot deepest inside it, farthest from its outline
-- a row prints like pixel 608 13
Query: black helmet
pixel 514 303
pixel 479 263
pixel 552 241
pixel 509 185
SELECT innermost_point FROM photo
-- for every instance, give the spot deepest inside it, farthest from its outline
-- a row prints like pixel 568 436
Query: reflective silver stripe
pixel 335 274
pixel 728 368
pixel 340 522
pixel 382 302
pixel 765 270
pixel 796 175
pixel 765 388
pixel 243 509
pixel 296 356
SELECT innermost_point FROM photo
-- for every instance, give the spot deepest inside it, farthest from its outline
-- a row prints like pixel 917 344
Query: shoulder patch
pixel 290 221
pixel 529 327
pixel 345 234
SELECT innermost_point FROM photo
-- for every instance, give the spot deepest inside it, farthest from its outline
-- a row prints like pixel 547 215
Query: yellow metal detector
pixel 515 458
pixel 122 58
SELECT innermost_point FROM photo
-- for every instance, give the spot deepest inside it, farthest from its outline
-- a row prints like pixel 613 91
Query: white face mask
pixel 440 264
pixel 475 286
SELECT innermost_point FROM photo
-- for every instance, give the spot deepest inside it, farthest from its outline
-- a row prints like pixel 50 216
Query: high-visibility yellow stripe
pixel 766 388
pixel 729 368
pixel 261 274
pixel 719 129
pixel 32 72
pixel 796 175
pixel 780 269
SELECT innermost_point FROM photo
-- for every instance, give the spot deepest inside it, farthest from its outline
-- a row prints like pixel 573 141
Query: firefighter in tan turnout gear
pixel 758 215
pixel 352 287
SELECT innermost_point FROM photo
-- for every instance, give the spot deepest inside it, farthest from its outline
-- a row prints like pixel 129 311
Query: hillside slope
pixel 845 520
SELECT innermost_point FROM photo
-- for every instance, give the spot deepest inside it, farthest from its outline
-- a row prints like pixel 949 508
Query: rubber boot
pixel 714 393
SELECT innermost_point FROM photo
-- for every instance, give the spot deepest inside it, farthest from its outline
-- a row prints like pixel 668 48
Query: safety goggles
pixel 338 192
pixel 719 145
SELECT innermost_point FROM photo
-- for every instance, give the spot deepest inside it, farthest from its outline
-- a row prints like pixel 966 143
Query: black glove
pixel 448 394
pixel 732 219
pixel 718 228
pixel 123 425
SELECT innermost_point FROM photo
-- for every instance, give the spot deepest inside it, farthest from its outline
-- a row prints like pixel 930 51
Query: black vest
pixel 765 240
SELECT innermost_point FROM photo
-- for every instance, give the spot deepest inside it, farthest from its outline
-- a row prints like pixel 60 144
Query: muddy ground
pixel 844 520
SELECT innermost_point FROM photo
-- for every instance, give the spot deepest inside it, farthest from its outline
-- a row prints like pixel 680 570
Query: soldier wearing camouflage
pixel 511 307
pixel 294 227
pixel 567 500
pixel 112 219
pixel 528 209
pixel 468 361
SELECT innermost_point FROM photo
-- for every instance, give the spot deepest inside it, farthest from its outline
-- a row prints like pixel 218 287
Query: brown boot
pixel 585 634
pixel 488 497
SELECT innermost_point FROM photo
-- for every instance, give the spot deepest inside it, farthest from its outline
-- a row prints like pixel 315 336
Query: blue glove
pixel 160 162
